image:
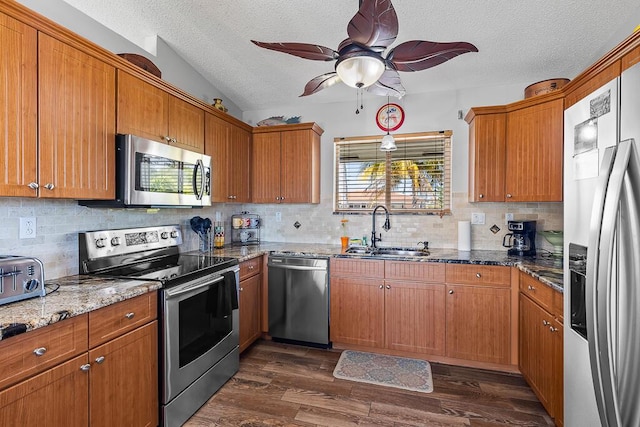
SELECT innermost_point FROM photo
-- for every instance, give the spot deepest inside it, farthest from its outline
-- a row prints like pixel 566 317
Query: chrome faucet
pixel 385 227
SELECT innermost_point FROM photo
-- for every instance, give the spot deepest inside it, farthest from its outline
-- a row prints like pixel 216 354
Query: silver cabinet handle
pixel 481 196
pixel 173 140
pixel 531 288
pixel 381 286
pixel 545 323
pixel 241 289
pixel 553 329
pixel 166 138
pixel 40 351
pixel 509 195
pixel 478 275
pixel 33 185
pixel 450 291
pixel 85 367
pixel 130 315
pixel 100 359
pixel 388 286
pixel 251 267
pixel 49 186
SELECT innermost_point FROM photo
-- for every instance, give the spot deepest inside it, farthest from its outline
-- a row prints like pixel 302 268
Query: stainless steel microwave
pixel 153 174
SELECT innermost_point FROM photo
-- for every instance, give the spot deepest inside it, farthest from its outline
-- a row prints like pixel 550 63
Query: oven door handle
pixel 179 290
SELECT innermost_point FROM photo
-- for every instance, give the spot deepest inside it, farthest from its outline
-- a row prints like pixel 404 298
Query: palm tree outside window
pixel 414 178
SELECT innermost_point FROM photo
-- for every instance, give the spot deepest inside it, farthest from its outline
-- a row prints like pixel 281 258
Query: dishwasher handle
pixel 296 267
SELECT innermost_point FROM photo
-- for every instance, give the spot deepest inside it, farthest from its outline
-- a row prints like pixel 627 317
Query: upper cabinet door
pixel 143 109
pixel 534 153
pixel 265 165
pixel 18 108
pixel 487 133
pixel 239 167
pixel 77 123
pixel 300 163
pixel 216 141
pixel 186 125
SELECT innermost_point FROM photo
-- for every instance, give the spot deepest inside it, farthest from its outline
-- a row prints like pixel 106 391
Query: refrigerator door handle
pixel 600 257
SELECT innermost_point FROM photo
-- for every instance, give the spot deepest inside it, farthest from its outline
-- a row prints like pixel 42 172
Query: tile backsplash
pixel 59 221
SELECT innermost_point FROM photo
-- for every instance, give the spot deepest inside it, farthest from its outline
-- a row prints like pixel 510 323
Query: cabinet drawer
pixel 250 267
pixel 112 321
pixel 490 275
pixel 357 267
pixel 421 271
pixel 57 343
pixel 537 291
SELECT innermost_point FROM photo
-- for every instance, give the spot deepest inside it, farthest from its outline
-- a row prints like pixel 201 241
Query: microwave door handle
pixel 199 165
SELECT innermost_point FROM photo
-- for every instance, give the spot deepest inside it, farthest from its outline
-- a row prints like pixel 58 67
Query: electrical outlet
pixel 477 218
pixel 508 217
pixel 278 216
pixel 28 228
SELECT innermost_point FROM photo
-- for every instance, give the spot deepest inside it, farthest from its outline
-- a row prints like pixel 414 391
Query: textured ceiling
pixel 519 41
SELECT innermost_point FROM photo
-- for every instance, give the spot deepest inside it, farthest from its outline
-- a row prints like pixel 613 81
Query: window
pixel 414 178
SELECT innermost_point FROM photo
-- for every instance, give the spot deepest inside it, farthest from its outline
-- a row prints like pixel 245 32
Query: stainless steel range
pixel 20 278
pixel 198 309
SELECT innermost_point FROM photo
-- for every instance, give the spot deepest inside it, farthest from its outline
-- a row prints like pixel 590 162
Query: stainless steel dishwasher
pixel 299 299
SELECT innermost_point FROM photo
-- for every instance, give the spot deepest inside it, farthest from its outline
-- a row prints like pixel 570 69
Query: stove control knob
pixel 101 242
pixel 164 235
pixel 115 241
pixel 174 234
pixel 31 285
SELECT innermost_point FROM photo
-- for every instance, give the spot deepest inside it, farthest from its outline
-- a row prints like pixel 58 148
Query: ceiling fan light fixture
pixel 360 71
pixel 388 143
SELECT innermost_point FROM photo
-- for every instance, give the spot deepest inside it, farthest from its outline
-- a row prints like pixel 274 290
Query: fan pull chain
pixel 359 93
pixel 357 109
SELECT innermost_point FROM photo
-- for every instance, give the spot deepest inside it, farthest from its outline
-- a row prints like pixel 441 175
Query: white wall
pixel 424 112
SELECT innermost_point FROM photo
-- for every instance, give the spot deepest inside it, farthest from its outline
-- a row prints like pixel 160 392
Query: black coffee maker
pixel 522 239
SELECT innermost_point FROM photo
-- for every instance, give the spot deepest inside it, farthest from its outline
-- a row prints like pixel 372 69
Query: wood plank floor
pixel 284 385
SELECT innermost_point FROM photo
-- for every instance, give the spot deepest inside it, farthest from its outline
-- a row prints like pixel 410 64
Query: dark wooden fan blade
pixel 302 50
pixel 375 24
pixel 321 82
pixel 416 55
pixel 388 85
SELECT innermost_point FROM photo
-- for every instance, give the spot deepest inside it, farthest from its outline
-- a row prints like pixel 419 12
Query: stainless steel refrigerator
pixel 602 256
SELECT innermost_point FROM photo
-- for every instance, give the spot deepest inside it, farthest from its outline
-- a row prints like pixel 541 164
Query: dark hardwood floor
pixel 285 385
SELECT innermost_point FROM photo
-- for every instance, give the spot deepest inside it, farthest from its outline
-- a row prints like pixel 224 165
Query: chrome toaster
pixel 20 278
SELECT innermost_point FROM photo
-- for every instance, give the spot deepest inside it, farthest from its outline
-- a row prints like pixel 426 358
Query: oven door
pixel 157 174
pixel 198 331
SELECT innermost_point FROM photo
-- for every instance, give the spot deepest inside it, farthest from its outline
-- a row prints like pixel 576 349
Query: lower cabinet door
pixel 415 317
pixel 357 311
pixel 57 397
pixel 123 385
pixel 479 323
pixel 250 304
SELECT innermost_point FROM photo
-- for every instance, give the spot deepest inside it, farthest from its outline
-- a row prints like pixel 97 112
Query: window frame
pixel 401 140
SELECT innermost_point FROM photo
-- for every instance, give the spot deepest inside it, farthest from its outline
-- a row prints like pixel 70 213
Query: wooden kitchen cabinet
pixel 534 152
pixel 515 151
pixel 541 344
pixel 478 311
pixel 229 147
pixel 18 107
pixel 250 304
pixel 150 112
pixel 76 116
pixel 58 375
pixel 487 154
pixel 56 397
pixel 285 164
pixel 123 386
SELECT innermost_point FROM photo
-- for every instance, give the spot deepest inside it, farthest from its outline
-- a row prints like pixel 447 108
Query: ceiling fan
pixel 359 60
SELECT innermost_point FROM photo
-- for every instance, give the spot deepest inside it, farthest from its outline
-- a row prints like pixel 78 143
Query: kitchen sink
pixel 407 252
pixel 401 252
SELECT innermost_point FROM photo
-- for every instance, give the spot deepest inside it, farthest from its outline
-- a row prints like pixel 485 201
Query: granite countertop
pixel 67 297
pixel 74 295
pixel 546 268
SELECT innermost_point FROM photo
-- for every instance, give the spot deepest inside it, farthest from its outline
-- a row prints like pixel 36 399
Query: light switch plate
pixel 477 218
pixel 28 227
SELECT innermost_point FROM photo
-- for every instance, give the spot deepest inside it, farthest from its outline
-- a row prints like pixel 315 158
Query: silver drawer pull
pixel 40 351
pixel 450 291
pixel 130 315
pixel 381 286
pixel 251 267
pixel 531 288
pixel 100 359
pixel 85 367
pixel 478 275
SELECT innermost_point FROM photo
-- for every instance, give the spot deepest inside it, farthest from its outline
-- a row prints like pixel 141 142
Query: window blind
pixel 414 178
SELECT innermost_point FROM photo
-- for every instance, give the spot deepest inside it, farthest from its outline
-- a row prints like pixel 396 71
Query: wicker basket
pixel 544 86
